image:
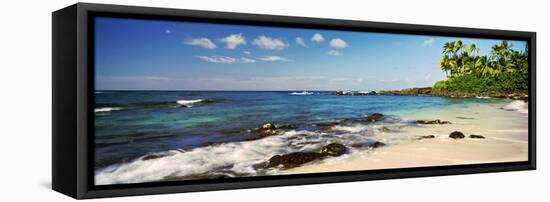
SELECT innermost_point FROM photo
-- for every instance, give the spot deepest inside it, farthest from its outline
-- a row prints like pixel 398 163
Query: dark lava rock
pixel 426 137
pixel 372 93
pixel 153 156
pixel 437 121
pixel 334 149
pixel 375 117
pixel 326 126
pixel 288 126
pixel 267 126
pixel 457 135
pixel 265 130
pixel 476 136
pixel 296 159
pixel 357 145
pixel 377 144
pixel 384 129
pixel 293 160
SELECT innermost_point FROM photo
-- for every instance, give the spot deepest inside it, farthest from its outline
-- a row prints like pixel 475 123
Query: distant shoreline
pixel 424 91
pixel 428 91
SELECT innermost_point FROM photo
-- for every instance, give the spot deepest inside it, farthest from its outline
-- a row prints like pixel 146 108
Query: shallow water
pixel 202 134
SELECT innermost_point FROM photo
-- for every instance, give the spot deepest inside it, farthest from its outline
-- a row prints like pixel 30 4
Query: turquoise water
pixel 147 136
pixel 130 124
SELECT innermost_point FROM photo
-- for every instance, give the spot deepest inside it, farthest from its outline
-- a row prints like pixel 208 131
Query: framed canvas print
pixel 154 100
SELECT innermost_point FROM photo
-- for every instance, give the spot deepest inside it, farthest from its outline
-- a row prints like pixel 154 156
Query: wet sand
pixel 505 132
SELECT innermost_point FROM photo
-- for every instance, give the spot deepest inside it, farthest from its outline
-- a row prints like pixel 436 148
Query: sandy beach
pixel 505 132
pixel 396 139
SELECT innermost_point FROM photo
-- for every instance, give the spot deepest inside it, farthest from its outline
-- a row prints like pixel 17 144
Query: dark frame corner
pixel 73 93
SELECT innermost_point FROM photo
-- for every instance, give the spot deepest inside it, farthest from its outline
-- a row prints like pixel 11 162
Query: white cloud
pixel 428 42
pixel 272 58
pixel 300 41
pixel 334 53
pixel 338 43
pixel 233 40
pixel 317 38
pixel 225 59
pixel 167 31
pixel 247 52
pixel 201 42
pixel 269 43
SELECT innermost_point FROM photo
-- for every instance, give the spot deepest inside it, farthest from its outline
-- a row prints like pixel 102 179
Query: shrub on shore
pixel 505 82
pixel 502 70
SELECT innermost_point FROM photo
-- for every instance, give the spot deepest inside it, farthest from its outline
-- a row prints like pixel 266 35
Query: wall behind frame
pixel 25 84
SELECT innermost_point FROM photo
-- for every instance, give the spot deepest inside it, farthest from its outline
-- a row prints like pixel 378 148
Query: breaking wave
pixel 517 105
pixel 301 93
pixel 107 109
pixel 188 103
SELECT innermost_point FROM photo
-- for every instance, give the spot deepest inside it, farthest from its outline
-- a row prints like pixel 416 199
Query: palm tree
pixel 448 48
pixel 500 55
pixel 460 57
pixel 458 46
pixel 482 67
pixel 450 62
pixel 444 64
pixel 472 50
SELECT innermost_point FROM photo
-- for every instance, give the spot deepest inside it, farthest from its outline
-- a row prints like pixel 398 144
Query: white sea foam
pixel 301 93
pixel 246 158
pixel 517 105
pixel 228 159
pixel 239 157
pixel 107 109
pixel 188 103
pixel 352 129
pixel 483 97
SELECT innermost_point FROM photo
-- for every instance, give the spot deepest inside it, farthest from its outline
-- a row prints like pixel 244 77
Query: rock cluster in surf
pixel 296 159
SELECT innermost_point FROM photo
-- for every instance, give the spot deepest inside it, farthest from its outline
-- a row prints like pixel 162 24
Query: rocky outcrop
pixel 377 144
pixel 153 156
pixel 327 126
pixel 355 93
pixel 296 159
pixel 384 129
pixel 436 121
pixel 334 149
pixel 457 135
pixel 426 137
pixel 265 130
pixel 473 136
pixel 374 117
pixel 428 91
pixel 293 160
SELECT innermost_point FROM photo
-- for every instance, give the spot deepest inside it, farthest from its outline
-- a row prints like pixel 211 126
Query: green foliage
pixel 471 83
pixel 440 85
pixel 503 70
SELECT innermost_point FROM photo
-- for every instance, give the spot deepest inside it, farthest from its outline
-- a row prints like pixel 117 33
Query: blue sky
pixel 167 55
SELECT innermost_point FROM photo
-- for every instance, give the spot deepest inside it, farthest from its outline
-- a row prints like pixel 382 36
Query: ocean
pixel 143 136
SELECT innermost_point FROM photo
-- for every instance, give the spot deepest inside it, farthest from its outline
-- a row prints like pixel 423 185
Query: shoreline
pixel 505 140
pixel 395 139
pixel 429 91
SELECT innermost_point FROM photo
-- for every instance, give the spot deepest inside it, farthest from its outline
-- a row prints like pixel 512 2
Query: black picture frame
pixel 73 98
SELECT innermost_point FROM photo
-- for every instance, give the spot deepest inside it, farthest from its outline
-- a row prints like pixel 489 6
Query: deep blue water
pixel 130 124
